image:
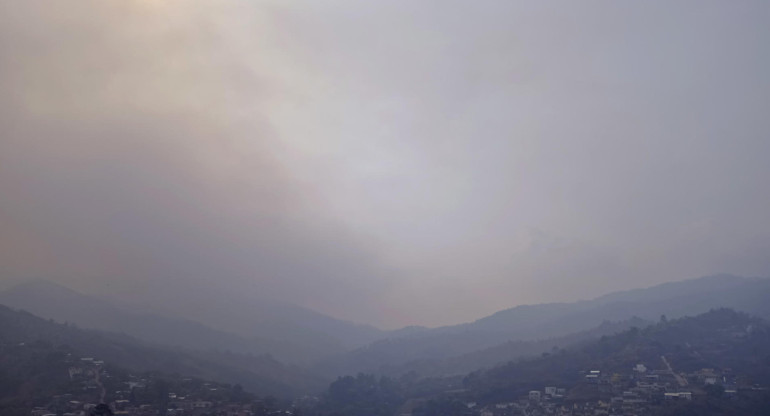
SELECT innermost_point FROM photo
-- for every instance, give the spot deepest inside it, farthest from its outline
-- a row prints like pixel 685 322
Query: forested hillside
pixel 260 374
pixel 719 360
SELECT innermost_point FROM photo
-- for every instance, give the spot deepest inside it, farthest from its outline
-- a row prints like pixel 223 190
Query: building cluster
pixel 550 400
pixel 636 392
pixel 180 407
pixel 89 379
pixel 184 407
pixel 62 405
pixel 84 374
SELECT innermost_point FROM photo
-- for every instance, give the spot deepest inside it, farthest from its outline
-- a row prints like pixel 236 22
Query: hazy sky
pixel 389 162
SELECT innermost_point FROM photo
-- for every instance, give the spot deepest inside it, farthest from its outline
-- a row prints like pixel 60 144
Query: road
pixel 99 383
pixel 679 379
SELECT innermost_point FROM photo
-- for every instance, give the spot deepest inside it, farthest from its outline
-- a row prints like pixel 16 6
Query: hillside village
pixel 647 388
pixel 84 382
pixel 671 376
pixel 639 391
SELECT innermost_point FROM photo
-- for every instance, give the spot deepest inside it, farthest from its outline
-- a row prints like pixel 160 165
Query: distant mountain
pixel 516 350
pixel 296 335
pixel 288 333
pixel 676 299
pixel 247 314
pixel 260 374
pixel 539 322
pixel 388 365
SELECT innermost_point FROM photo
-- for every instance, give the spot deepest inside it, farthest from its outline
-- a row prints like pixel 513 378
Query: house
pixel 685 395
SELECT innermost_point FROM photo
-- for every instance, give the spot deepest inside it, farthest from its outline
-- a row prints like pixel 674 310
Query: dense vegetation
pixel 31 374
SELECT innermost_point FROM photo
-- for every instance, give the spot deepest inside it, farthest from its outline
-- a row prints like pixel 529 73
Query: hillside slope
pixel 261 374
pixel 538 322
pixel 290 334
pixel 722 340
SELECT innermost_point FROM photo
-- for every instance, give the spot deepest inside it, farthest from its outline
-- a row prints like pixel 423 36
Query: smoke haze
pixel 393 162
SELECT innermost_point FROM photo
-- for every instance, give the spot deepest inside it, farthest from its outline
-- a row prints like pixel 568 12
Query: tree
pixel 714 390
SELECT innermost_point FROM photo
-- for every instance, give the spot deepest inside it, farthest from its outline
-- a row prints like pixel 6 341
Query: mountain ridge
pixel 50 300
pixel 532 322
pixel 258 373
pixel 308 343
